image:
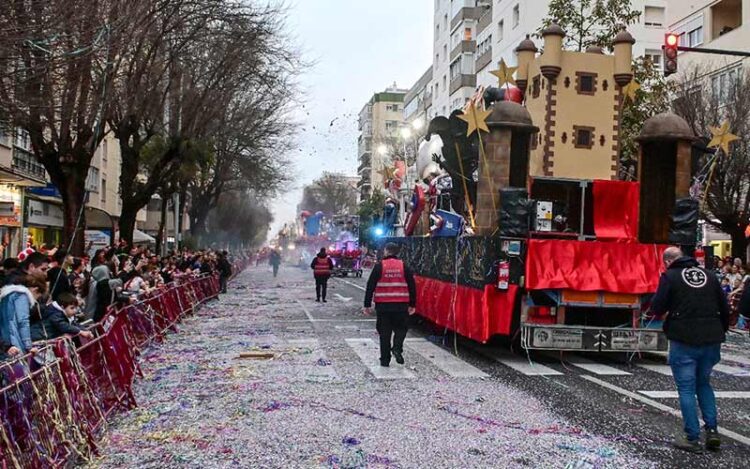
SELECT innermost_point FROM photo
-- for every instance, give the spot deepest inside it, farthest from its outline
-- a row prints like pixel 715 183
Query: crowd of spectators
pixel 45 295
pixel 734 276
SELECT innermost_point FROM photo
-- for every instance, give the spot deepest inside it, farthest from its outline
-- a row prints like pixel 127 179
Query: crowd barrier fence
pixel 54 404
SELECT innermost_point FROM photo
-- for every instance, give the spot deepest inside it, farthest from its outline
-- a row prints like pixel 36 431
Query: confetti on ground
pixel 317 405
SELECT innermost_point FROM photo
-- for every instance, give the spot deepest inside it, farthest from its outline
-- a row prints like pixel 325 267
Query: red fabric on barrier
pixel 616 210
pixel 593 266
pixel 482 313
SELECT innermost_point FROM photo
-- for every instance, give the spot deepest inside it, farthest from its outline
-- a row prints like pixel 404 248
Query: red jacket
pixel 392 286
pixel 322 266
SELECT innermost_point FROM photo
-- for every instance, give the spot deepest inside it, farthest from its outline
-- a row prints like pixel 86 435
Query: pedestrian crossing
pixel 316 365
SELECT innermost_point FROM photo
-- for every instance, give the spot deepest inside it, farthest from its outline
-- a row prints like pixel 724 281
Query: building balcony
pixel 466 13
pixel 461 81
pixel 485 20
pixel 463 47
pixel 483 60
pixel 427 100
pixel 26 164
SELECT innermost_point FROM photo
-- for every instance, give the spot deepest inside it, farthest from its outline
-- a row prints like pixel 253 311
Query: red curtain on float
pixel 616 210
pixel 593 266
pixel 479 314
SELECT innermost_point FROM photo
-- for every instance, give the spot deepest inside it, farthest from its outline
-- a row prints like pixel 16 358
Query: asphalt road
pixel 622 399
pixel 323 401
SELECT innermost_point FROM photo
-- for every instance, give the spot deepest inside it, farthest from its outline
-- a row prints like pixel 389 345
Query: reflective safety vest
pixel 392 287
pixel 321 267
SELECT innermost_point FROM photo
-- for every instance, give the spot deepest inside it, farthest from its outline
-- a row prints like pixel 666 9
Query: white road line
pixel 307 312
pixel 444 360
pixel 596 368
pixel 353 284
pixel 718 394
pixel 656 405
pixel 731 370
pixel 369 352
pixel 527 367
pixel 661 369
pixel 735 358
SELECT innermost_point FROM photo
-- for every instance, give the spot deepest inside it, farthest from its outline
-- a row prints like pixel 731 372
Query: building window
pixel 92 180
pixel 445 21
pixel 104 153
pixel 586 83
pixel 467 34
pixel 722 85
pixel 22 140
pixel 392 107
pixel 391 126
pixel 445 82
pixel 104 189
pixel 654 56
pixel 535 86
pixel 500 30
pixel 653 16
pixel 437 32
pixel 695 37
pixel 455 69
pixel 445 52
pixel 584 137
pixel 516 15
pixel 437 58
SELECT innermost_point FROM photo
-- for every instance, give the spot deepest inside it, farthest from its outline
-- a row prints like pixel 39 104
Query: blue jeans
pixel 691 366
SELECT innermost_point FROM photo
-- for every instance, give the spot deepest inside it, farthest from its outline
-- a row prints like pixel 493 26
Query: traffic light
pixel 669 51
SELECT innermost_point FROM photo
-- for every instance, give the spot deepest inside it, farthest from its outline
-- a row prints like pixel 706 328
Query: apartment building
pixel 472 36
pixel 418 101
pixel 713 24
pixel 379 121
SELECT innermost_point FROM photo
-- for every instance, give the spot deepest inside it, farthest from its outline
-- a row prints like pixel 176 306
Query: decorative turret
pixel 623 45
pixel 551 64
pixel 526 52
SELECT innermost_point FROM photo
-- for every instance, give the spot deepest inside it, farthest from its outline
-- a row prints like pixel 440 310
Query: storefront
pixel 44 222
pixel 11 199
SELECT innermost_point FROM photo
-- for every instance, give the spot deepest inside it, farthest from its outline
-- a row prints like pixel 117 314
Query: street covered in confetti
pixel 309 393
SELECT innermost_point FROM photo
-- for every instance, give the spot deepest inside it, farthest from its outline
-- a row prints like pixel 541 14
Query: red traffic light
pixel 671 40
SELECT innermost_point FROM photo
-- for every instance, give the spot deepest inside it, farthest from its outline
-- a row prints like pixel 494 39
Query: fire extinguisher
pixel 503 275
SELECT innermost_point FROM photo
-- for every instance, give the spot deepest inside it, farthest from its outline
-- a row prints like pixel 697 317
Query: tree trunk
pixel 128 216
pixel 73 191
pixel 739 243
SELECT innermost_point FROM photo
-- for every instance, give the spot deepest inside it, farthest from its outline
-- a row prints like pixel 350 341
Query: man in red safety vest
pixel 391 285
pixel 322 266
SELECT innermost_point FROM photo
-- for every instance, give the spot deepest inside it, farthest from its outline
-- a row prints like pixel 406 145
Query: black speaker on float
pixel 684 231
pixel 514 213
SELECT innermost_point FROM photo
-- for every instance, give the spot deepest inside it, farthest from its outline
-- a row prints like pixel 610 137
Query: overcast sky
pixel 359 47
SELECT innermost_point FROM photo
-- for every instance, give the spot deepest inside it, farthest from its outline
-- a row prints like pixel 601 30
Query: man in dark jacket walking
pixel 391 285
pixel 696 324
pixel 225 270
pixel 322 267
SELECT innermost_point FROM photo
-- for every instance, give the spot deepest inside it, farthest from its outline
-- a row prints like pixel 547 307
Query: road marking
pixel 523 365
pixel 353 284
pixel 732 370
pixel 735 358
pixel 369 352
pixel 656 405
pixel 342 298
pixel 444 360
pixel 596 368
pixel 661 369
pixel 718 394
pixel 307 312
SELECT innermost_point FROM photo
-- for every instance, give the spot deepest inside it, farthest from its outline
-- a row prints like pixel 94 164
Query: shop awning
pixel 139 237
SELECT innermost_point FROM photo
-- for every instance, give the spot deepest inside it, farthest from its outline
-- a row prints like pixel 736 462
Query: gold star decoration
pixel 505 74
pixel 630 89
pixel 388 173
pixel 721 137
pixel 476 118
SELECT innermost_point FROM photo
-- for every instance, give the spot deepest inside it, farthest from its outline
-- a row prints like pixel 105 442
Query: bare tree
pixel 59 59
pixel 703 102
pixel 331 193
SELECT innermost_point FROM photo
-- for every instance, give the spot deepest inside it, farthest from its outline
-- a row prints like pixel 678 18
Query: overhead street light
pixel 382 149
pixel 418 124
pixel 405 132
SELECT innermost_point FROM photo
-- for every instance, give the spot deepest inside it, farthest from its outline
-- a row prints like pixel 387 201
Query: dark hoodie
pixel 698 312
pixel 54 324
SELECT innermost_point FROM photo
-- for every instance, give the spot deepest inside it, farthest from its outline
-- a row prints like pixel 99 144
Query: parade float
pixel 339 234
pixel 517 225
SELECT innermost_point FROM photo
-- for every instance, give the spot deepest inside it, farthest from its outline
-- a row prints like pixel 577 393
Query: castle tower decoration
pixel 576 98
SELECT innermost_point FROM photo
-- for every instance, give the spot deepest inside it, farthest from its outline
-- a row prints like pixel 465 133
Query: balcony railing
pixel 463 46
pixel 25 162
pixel 486 18
pixel 462 80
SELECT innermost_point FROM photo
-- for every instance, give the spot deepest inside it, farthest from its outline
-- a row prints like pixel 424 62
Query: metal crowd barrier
pixel 54 405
